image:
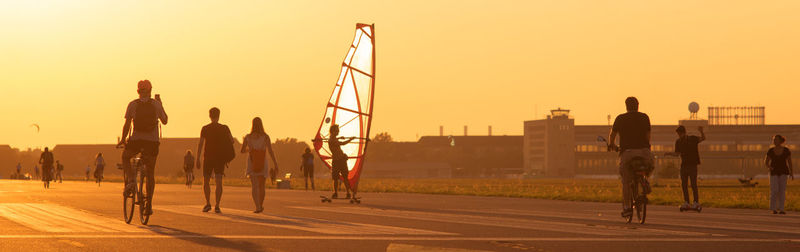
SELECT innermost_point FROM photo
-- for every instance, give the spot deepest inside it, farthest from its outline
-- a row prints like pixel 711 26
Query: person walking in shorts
pixel 217 142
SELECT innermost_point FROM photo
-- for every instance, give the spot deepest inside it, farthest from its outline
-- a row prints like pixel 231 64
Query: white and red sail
pixel 350 105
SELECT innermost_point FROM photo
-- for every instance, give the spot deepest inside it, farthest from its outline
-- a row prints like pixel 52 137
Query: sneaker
pixel 217 210
pixel 148 211
pixel 627 213
pixel 774 212
pixel 685 205
pixel 696 205
pixel 206 208
pixel 781 212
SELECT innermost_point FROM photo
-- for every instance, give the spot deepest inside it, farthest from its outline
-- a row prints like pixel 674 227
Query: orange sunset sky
pixel 72 66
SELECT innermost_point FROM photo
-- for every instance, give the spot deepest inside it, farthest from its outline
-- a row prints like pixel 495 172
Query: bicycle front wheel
pixel 128 204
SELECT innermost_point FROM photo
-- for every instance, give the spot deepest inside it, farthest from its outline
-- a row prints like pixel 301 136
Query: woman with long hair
pixel 257 143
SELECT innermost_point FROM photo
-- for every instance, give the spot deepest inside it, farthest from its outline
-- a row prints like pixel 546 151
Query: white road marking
pixel 395 247
pixel 521 223
pixel 725 221
pixel 60 219
pixel 400 238
pixel 297 223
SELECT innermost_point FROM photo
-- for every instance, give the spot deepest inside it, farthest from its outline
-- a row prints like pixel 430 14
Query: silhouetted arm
pixel 702 134
pixel 126 128
pixel 164 118
pixel 199 162
pixel 612 138
pixel 244 144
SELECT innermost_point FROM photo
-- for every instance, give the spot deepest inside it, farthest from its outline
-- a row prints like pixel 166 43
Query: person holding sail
pixel 339 161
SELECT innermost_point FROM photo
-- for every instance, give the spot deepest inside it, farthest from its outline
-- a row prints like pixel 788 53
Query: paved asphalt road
pixel 83 216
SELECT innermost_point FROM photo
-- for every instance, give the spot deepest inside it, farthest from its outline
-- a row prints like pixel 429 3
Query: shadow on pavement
pixel 205 240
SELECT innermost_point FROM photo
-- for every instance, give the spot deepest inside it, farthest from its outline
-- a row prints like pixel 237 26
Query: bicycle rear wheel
pixel 641 202
pixel 632 202
pixel 128 204
pixel 142 193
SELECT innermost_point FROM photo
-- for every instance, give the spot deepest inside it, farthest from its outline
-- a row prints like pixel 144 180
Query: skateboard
pixel 354 200
pixel 690 208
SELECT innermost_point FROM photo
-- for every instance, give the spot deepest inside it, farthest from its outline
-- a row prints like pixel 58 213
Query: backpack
pixel 229 153
pixel 145 119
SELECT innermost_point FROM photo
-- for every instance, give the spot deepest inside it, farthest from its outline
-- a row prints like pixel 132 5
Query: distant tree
pixel 287 140
pixel 383 137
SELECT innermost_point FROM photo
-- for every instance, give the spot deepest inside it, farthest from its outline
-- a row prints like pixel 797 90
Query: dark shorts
pixel 308 171
pixel 213 167
pixel 147 148
pixel 339 168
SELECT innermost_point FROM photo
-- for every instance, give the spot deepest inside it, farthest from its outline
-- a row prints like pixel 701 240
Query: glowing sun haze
pixel 72 66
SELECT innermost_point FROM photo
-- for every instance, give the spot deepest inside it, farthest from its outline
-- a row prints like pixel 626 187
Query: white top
pixel 256 143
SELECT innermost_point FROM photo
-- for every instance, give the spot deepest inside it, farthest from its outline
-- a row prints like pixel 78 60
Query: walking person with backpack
pixel 257 144
pixel 144 113
pixel 307 167
pixel 217 141
pixel 46 160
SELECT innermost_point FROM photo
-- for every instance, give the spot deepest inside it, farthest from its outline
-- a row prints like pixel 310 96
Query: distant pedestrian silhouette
pixel 779 162
pixel 46 160
pixel 307 167
pixel 188 166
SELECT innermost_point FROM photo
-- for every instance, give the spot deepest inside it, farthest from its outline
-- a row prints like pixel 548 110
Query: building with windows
pixel 733 147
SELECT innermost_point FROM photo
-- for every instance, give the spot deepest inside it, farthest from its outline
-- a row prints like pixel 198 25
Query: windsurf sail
pixel 350 105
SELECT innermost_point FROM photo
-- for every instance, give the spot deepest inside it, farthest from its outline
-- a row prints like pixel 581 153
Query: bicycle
pixel 138 196
pixel 639 188
pixel 639 185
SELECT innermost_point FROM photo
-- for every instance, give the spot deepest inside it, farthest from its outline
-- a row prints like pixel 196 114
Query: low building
pixel 730 149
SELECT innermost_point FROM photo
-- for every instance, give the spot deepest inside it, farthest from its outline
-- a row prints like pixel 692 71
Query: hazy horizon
pixel 72 67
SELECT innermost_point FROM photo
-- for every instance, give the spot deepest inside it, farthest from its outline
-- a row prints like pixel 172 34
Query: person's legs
pixel 218 181
pixel 207 189
pixel 693 179
pixel 254 190
pixel 262 190
pixel 773 192
pixel 684 182
pixel 311 177
pixel 306 179
pixel 626 176
pixel 782 179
